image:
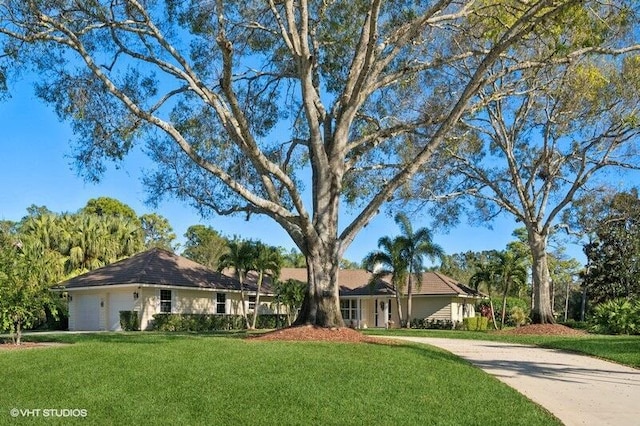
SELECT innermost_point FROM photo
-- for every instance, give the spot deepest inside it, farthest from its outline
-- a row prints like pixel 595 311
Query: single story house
pixel 364 304
pixel 156 281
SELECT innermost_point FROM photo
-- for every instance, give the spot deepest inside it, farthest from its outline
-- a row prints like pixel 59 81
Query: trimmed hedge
pixel 211 322
pixel 478 323
pixel 129 320
pixel 431 324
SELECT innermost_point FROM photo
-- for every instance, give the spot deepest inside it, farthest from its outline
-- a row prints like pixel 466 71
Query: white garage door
pixel 118 302
pixel 87 312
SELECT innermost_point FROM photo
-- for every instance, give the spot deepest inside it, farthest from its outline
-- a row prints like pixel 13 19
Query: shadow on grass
pixel 146 337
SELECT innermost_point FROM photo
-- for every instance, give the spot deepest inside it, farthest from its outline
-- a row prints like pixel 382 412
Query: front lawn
pixel 621 349
pixel 147 378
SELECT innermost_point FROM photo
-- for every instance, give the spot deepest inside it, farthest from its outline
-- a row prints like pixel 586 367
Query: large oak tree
pixel 246 103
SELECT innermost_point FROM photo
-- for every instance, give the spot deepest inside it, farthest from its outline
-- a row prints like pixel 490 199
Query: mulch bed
pixel 544 330
pixel 313 333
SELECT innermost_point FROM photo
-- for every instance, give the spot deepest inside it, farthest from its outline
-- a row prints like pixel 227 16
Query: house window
pixel 252 303
pixel 349 309
pixel 165 301
pixel 221 303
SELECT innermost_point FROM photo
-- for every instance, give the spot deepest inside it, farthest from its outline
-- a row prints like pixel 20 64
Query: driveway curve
pixel 577 389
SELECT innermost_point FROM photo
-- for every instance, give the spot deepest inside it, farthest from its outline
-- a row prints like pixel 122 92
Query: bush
pixel 578 325
pixel 197 322
pixel 431 324
pixel 517 316
pixel 513 302
pixel 268 321
pixel 478 323
pixel 617 316
pixel 209 322
pixel 129 320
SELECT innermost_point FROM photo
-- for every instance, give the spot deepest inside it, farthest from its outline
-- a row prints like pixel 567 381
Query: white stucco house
pixel 366 305
pixel 152 282
pixel 157 281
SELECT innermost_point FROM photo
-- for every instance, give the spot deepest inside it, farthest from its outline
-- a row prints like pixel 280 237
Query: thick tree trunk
pixel 321 306
pixel 541 312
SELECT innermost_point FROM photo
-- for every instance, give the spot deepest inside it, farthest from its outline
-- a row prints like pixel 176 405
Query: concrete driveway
pixel 577 389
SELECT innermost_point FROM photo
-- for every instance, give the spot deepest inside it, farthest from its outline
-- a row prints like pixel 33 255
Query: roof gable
pixel 356 282
pixel 156 267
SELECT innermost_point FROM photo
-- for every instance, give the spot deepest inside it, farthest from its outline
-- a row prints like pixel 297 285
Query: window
pixel 252 303
pixel 349 309
pixel 165 301
pixel 221 303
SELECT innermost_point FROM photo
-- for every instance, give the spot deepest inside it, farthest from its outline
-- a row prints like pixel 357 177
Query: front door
pixel 382 313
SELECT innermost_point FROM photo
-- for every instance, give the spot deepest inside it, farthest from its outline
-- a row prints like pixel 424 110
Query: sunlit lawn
pixel 621 349
pixel 147 378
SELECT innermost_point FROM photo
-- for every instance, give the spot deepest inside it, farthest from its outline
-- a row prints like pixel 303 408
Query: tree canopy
pixel 244 104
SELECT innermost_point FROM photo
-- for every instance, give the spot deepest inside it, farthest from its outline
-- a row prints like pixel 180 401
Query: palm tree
pixel 485 274
pixel 389 260
pixel 416 246
pixel 239 257
pixel 511 270
pixel 267 260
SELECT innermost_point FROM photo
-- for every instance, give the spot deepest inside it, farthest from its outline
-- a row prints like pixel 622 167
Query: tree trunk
pixel 399 303
pixel 583 302
pixel 242 299
pixel 321 305
pixel 407 323
pixel 566 302
pixel 493 313
pixel 504 304
pixel 541 312
pixel 255 309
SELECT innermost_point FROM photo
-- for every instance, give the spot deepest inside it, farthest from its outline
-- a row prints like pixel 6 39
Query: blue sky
pixel 36 168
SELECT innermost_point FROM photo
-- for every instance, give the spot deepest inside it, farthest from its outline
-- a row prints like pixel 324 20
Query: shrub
pixel 209 322
pixel 513 302
pixel 478 323
pixel 617 316
pixel 579 325
pixel 197 322
pixel 517 316
pixel 267 321
pixel 432 324
pixel 129 320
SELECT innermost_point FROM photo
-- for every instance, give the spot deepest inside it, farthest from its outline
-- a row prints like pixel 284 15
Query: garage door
pixel 118 302
pixel 87 312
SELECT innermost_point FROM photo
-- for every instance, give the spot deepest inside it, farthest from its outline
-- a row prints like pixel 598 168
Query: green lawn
pixel 621 349
pixel 147 378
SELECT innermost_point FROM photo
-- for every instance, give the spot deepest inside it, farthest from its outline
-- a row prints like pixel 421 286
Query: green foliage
pixel 477 323
pixel 26 271
pixel 107 206
pixel 522 311
pixel 517 316
pixel 204 245
pixel 202 323
pixel 157 231
pixel 434 324
pixel 613 270
pixel 130 320
pixel 291 294
pixel 617 316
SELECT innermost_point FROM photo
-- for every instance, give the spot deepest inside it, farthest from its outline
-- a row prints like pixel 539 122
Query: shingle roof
pixel 159 267
pixel 355 282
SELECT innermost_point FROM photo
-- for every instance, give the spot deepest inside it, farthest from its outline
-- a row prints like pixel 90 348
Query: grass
pixel 621 349
pixel 126 378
